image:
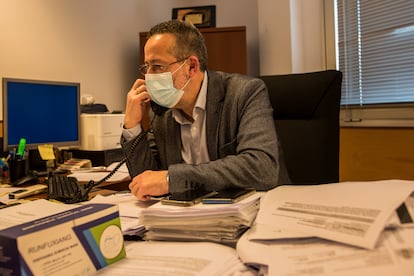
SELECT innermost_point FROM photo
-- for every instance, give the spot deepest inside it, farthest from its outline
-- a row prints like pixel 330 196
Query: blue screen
pixel 41 112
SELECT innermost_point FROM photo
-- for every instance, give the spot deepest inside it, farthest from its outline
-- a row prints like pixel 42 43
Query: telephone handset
pixel 157 109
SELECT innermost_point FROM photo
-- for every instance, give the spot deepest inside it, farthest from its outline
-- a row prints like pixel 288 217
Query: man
pixel 216 132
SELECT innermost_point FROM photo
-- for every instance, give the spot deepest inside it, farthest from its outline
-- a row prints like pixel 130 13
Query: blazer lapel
pixel 214 104
pixel 173 140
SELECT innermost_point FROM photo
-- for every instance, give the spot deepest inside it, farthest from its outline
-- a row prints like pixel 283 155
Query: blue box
pixel 75 242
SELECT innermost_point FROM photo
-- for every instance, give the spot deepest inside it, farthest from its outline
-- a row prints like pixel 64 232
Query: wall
pixel 96 42
pixel 296 36
pixel 93 42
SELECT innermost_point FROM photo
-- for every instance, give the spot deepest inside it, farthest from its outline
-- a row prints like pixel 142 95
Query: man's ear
pixel 194 64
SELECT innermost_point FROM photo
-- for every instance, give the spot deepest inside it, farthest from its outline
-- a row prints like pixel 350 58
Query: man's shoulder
pixel 224 76
pixel 233 80
pixel 234 89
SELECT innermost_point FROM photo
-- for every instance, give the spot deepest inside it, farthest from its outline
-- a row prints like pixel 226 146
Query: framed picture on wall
pixel 201 16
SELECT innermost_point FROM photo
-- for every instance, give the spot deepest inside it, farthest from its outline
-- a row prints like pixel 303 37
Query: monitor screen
pixel 42 112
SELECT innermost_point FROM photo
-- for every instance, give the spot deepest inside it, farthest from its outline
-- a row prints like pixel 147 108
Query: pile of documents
pixel 76 164
pixel 222 223
pixel 347 228
pixel 98 173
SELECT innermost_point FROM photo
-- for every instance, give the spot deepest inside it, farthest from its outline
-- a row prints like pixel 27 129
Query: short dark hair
pixel 189 40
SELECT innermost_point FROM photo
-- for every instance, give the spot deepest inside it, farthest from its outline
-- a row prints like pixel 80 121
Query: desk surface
pixel 326 254
pixel 105 188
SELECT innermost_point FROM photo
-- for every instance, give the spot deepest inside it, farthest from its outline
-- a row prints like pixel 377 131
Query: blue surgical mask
pixel 161 89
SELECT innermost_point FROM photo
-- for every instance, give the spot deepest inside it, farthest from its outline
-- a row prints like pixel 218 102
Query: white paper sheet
pixel 30 211
pixel 96 176
pixel 394 255
pixel 171 258
pixel 129 205
pixel 200 209
pixel 349 212
pixel 120 175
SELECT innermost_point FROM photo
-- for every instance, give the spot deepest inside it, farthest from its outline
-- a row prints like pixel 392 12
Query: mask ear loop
pixel 179 67
pixel 188 81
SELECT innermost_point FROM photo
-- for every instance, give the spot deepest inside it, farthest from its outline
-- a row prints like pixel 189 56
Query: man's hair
pixel 189 41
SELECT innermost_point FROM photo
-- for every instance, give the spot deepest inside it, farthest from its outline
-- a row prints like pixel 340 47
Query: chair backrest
pixel 306 112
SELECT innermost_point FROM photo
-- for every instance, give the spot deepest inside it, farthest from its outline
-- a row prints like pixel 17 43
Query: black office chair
pixel 306 112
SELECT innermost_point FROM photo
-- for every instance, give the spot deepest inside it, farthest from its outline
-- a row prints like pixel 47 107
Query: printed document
pixel 223 223
pixel 353 213
pixel 394 255
pixel 121 174
pixel 172 258
pixel 29 211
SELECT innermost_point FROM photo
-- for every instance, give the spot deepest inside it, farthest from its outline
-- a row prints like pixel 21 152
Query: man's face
pixel 159 57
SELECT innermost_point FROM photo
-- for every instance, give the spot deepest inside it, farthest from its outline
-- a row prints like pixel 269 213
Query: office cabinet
pixel 226 48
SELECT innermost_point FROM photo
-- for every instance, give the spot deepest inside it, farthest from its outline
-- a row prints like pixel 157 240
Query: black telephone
pixel 85 189
pixel 68 190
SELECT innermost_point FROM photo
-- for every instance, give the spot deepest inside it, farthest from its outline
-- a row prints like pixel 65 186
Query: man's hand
pixel 137 105
pixel 149 183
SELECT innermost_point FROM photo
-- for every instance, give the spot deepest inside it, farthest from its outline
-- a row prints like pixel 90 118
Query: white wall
pixel 96 42
pixel 295 36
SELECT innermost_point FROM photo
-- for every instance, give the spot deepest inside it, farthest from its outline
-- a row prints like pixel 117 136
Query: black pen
pixel 11 154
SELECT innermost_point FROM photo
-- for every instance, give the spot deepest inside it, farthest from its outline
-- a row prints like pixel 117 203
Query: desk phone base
pixel 66 189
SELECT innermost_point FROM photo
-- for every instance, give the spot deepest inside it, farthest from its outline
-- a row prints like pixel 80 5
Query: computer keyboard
pixel 66 189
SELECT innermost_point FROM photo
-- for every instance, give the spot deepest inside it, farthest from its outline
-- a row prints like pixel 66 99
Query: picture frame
pixel 201 16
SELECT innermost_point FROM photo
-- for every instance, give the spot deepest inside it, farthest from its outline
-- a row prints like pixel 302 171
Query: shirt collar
pixel 199 104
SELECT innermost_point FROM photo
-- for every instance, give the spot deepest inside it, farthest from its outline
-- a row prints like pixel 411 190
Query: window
pixel 375 52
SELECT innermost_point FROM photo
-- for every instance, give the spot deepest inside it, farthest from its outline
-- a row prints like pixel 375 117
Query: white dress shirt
pixel 193 134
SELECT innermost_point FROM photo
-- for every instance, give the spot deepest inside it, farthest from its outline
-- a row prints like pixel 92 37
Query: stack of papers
pixel 98 173
pixel 222 223
pixel 74 163
pixel 348 228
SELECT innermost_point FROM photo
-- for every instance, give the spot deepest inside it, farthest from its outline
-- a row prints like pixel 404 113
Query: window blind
pixel 375 47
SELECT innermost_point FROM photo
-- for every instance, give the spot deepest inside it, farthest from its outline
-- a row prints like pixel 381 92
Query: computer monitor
pixel 42 112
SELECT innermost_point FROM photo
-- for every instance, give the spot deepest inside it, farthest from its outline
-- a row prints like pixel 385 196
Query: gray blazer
pixel 241 140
